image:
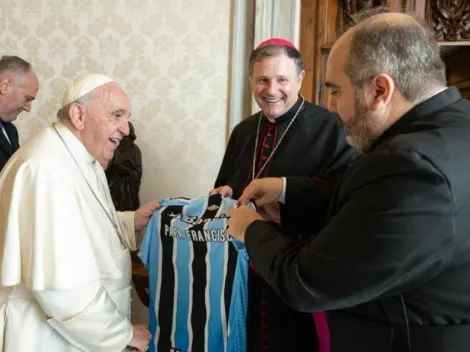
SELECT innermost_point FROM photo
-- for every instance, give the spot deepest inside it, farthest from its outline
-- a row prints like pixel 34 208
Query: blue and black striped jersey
pixel 198 277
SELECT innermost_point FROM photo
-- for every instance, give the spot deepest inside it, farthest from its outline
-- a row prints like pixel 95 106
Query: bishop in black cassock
pixel 304 141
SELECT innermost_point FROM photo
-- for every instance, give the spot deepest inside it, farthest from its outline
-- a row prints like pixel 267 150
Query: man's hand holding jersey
pixel 265 193
pixel 144 213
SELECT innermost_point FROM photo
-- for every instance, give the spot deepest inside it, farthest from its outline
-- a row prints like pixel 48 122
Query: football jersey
pixel 198 277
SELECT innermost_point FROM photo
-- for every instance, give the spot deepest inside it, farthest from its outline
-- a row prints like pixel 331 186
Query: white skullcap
pixel 82 85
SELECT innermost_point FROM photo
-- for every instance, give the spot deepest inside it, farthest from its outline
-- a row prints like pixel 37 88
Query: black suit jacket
pixel 393 263
pixel 7 149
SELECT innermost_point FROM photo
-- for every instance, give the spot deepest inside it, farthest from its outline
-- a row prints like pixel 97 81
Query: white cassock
pixel 65 267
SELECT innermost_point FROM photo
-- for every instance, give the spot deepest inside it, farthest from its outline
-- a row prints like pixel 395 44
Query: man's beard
pixel 359 128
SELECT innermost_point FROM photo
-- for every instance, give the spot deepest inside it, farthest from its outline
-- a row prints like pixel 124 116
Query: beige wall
pixel 171 56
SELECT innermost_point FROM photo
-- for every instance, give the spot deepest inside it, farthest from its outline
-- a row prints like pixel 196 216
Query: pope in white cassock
pixel 65 268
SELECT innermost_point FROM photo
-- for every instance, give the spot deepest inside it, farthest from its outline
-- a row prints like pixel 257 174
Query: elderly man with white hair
pixel 65 267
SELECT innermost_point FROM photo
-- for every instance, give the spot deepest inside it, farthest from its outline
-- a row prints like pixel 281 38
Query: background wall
pixel 172 57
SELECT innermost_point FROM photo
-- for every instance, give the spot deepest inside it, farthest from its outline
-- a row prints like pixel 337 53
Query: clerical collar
pixel 75 146
pixel 287 116
pixel 428 106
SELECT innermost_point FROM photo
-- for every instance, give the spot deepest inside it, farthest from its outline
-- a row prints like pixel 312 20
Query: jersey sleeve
pixel 152 228
pixel 144 252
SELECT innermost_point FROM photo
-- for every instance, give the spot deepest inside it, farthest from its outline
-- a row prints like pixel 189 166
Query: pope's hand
pixel 144 213
pixel 240 219
pixel 262 191
pixel 224 191
pixel 140 338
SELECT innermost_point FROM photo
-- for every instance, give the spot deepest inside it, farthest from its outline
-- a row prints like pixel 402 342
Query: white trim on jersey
pixel 191 296
pixel 207 301
pixel 157 293
pixel 223 311
pixel 175 294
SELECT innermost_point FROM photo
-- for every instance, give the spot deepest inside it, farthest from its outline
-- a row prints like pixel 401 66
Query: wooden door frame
pixel 308 39
pixel 316 36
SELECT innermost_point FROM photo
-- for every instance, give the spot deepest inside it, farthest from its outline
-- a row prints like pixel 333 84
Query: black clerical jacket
pixel 393 263
pixel 8 148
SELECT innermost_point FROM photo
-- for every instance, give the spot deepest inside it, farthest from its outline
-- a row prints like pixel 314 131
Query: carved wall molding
pixel 348 8
pixel 449 19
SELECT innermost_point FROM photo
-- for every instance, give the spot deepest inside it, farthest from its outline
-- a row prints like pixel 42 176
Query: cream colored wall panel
pixel 172 57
